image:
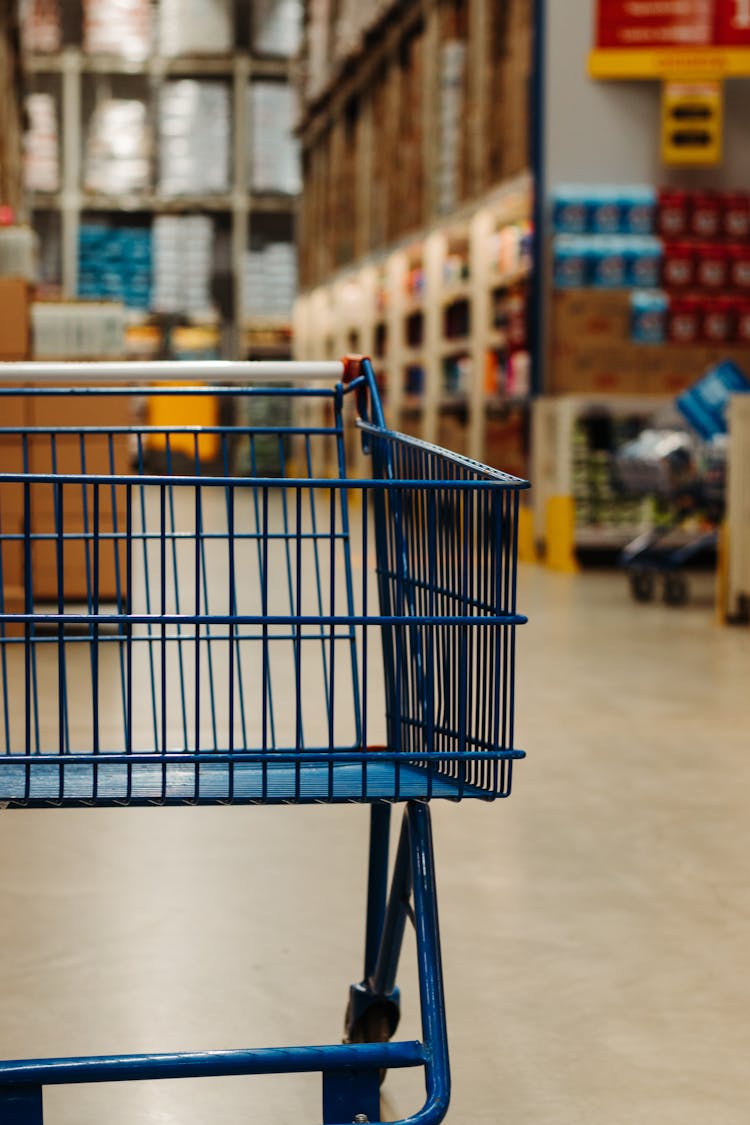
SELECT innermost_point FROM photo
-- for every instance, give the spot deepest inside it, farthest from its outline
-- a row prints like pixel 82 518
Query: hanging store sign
pixel 671 38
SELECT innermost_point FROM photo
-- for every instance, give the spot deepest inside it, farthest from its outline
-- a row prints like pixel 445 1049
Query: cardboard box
pixel 78 564
pixel 15 337
pixel 596 315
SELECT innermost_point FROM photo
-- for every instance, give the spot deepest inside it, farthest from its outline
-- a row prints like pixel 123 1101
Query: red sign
pixel 733 23
pixel 673 23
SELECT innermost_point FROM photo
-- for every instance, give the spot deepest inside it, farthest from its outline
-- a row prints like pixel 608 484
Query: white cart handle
pixel 180 371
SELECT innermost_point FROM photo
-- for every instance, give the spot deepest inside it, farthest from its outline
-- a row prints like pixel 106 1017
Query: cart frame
pixel 351 1071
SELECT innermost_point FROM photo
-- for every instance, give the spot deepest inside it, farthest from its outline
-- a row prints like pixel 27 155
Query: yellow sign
pixel 692 123
pixel 669 62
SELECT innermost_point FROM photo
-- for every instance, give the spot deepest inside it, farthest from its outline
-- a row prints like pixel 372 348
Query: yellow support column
pixel 560 523
pixel 526 543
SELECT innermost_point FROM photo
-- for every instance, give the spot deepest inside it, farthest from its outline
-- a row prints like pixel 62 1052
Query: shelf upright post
pixel 70 198
pixel 429 106
pixel 394 321
pixel 434 257
pixel 241 75
pixel 480 230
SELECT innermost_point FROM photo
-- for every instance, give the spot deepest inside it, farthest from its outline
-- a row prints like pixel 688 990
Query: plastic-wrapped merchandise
pixel 117 27
pixel 182 263
pixel 41 144
pixel 114 263
pixel 194 138
pixel 19 252
pixel 41 25
pixel 69 330
pixel 118 148
pixel 274 161
pixel 276 26
pixel 270 281
pixel 451 124
pixel 195 27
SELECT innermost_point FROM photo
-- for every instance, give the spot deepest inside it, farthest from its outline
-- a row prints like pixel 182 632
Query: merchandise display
pixel 276 27
pixel 194 138
pixel 452 71
pixel 41 25
pixel 118 148
pixel 270 281
pixel 194 27
pixel 41 144
pixel 114 263
pixel 19 249
pixel 117 27
pixel 71 330
pixel 182 263
pixel 273 157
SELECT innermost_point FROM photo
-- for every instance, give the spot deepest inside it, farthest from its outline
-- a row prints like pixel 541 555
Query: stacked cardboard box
pixel 41 144
pixel 273 161
pixel 182 263
pixel 592 350
pixel 195 27
pixel 194 138
pixel 118 147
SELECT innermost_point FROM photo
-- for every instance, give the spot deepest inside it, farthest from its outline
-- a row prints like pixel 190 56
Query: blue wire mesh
pixel 274 637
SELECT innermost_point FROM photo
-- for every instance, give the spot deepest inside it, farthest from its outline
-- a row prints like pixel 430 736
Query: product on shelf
pixel 270 281
pixel 450 125
pixel 19 247
pixel 649 317
pixel 114 263
pixel 118 148
pixel 276 27
pixel 607 261
pixel 601 209
pixel 194 138
pixel 74 330
pixel 117 27
pixel 705 403
pixel 273 159
pixel 41 146
pixel 182 263
pixel 41 25
pixel 195 27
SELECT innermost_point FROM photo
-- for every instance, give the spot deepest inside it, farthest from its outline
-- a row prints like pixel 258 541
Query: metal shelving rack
pixel 376 205
pixel 241 204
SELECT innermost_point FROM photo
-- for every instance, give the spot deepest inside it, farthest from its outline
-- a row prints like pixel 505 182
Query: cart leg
pixel 21 1105
pixel 372 1016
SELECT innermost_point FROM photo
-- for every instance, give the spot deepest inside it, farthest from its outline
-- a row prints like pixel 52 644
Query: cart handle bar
pixel 182 371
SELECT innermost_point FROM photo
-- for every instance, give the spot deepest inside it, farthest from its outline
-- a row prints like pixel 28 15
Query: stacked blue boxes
pixel 114 264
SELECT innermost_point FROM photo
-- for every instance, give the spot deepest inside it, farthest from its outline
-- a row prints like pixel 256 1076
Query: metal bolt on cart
pixel 172 633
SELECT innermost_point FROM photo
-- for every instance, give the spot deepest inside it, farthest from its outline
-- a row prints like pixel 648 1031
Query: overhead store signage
pixel 668 38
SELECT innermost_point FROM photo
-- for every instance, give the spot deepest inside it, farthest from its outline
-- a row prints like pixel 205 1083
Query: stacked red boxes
pixel 706 270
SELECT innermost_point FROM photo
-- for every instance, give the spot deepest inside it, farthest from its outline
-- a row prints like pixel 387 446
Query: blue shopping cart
pixel 195 614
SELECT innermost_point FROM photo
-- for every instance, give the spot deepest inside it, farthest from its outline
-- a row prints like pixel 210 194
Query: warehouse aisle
pixel 595 926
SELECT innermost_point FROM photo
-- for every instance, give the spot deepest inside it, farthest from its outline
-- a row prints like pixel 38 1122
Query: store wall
pixel 608 132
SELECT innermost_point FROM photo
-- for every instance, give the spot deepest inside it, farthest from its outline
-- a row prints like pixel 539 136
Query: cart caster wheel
pixel 642 585
pixel 675 590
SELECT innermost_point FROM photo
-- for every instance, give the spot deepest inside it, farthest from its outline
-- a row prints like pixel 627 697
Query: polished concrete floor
pixel 596 926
